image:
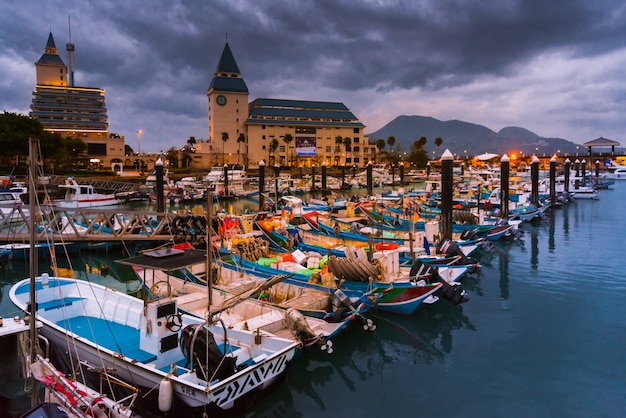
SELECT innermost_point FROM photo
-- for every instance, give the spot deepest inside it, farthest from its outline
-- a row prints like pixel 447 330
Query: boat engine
pixel 469 234
pixel 296 322
pixel 454 294
pixel 420 270
pixel 450 248
pixel 200 349
pixel 341 305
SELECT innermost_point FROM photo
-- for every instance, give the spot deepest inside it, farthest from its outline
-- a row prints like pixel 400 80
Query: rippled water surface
pixel 542 336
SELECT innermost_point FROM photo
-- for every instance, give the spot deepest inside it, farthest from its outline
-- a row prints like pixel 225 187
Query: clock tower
pixel 228 112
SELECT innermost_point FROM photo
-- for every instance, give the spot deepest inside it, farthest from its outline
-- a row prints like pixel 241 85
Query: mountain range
pixel 468 139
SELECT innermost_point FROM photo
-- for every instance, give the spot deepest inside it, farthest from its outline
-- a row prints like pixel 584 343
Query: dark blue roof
pixel 227 62
pixel 228 84
pixel 50 43
pixel 301 112
pixel 50 55
pixel 227 77
pixel 307 104
pixel 355 124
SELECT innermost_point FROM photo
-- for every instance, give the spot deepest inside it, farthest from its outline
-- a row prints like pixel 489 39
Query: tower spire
pixel 70 54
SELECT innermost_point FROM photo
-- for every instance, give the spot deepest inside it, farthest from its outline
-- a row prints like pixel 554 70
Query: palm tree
pixel 240 140
pixel 438 141
pixel 287 139
pixel 273 146
pixel 347 141
pixel 191 141
pixel 418 156
pixel 224 139
pixel 171 156
pixel 338 143
pixel 391 141
pixel 380 144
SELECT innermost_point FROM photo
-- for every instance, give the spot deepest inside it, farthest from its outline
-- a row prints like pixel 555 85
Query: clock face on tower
pixel 221 100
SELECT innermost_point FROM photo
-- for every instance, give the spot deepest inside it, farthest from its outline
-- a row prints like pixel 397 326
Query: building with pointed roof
pixel 78 112
pixel 278 131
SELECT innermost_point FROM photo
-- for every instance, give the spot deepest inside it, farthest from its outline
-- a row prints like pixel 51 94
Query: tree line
pixel 417 154
pixel 56 152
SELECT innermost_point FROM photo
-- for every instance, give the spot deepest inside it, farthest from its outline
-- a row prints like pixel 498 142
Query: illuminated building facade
pixel 256 130
pixel 78 112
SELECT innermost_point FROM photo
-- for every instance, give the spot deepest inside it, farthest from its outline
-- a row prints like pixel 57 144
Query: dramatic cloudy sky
pixel 555 67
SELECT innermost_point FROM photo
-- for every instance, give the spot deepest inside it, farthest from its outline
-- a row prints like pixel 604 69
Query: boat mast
pixel 32 201
pixel 209 255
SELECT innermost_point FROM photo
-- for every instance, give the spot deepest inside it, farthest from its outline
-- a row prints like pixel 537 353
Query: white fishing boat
pixel 83 196
pixel 235 174
pixel 140 339
pixel 12 208
pixel 69 393
pixel 616 172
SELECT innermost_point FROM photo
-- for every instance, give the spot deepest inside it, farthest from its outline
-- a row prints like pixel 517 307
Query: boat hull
pixel 400 298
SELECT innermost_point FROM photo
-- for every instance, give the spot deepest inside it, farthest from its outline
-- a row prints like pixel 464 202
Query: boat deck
pixel 116 337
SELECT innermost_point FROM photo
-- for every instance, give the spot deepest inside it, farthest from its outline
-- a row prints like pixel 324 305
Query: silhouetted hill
pixel 464 138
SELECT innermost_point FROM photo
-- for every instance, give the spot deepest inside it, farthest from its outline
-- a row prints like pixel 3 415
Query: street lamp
pixel 139 132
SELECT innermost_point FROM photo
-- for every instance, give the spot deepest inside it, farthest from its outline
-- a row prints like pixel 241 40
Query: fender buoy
pixel 386 246
pixel 166 393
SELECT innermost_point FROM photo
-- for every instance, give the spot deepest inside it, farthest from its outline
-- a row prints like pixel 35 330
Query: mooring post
pixel 553 180
pixel 261 185
pixel 447 162
pixel 504 186
pixel 159 185
pixel 534 179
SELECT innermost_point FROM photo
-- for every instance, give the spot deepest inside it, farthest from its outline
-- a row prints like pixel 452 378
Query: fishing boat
pixel 66 394
pixel 154 345
pixel 262 305
pixel 21 251
pixel 12 208
pixel 354 234
pixel 83 196
pixel 616 173
pixel 391 291
pixel 499 232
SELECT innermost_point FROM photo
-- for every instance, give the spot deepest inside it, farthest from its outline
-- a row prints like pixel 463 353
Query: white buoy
pixel 166 395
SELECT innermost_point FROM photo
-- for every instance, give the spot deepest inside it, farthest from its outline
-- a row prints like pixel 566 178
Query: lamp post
pixel 139 132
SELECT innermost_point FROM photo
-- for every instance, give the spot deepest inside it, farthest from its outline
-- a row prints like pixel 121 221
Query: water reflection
pixel 565 214
pixel 551 228
pixel 534 249
pixel 93 267
pixel 320 381
pixel 504 281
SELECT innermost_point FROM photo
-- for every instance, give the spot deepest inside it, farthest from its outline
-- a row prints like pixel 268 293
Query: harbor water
pixel 543 334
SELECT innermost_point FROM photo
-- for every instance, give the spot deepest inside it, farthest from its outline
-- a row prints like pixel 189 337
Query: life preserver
pixel 386 246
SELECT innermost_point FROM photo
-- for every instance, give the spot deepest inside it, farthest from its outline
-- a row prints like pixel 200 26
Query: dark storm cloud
pixel 156 60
